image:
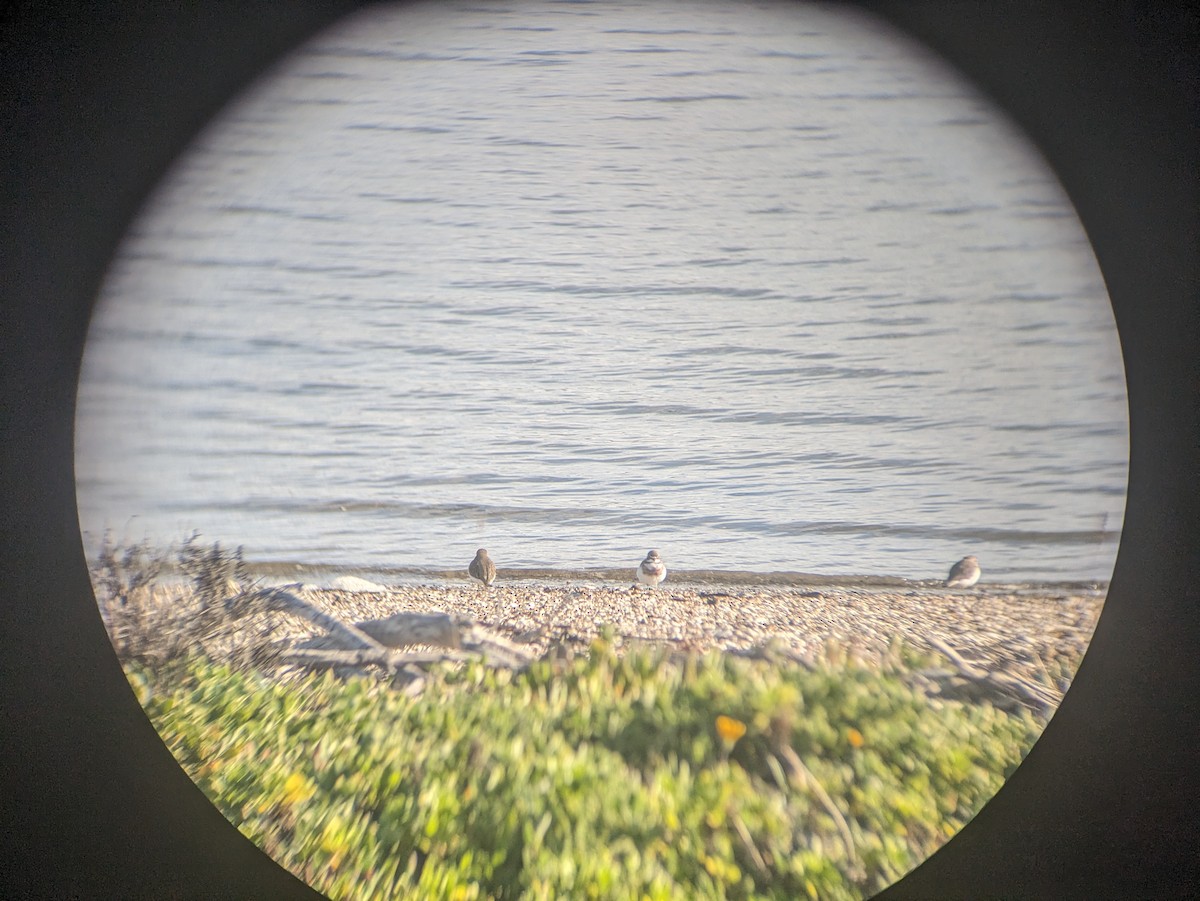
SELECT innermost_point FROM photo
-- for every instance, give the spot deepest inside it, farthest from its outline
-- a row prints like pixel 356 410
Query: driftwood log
pixel 403 629
pixel 1002 689
pixel 963 680
pixel 381 642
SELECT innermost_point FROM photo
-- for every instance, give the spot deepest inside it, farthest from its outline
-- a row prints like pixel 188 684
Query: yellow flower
pixel 730 729
pixel 297 789
pixel 333 839
pixel 855 737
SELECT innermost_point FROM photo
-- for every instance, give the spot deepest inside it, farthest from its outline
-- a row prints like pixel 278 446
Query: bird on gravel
pixel 652 570
pixel 482 568
pixel 964 573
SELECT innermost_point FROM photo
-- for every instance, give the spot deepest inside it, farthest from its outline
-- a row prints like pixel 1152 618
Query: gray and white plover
pixel 482 568
pixel 964 573
pixel 652 570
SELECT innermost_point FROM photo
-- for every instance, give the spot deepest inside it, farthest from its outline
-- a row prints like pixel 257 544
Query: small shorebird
pixel 964 573
pixel 482 568
pixel 652 570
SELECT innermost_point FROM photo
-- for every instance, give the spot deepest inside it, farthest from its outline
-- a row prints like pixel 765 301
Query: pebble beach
pixel 1018 628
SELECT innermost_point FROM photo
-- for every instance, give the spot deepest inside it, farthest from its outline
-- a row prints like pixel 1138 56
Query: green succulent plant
pixel 639 775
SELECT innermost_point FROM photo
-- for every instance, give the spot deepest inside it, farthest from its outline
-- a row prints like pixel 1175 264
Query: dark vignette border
pixel 97 99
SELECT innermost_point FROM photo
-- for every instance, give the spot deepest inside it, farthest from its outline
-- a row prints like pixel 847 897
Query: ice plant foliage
pixel 607 776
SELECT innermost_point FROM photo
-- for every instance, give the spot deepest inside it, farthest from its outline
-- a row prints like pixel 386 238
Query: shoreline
pixel 328 576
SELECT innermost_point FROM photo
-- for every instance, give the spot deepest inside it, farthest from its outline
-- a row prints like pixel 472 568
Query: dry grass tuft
pixel 154 622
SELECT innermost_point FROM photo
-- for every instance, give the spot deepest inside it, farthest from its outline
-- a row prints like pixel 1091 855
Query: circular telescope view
pixel 603 450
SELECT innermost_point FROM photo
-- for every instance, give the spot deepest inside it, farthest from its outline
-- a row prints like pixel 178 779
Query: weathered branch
pixel 375 642
pixel 436 629
pixel 495 649
pixel 280 599
pixel 1031 694
pixel 804 777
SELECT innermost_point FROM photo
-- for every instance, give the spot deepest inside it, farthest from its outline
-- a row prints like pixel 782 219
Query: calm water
pixel 767 289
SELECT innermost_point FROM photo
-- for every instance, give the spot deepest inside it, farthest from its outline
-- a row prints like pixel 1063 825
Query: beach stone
pixel 1020 630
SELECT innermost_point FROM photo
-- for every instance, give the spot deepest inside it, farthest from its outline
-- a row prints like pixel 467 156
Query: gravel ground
pixel 1010 627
